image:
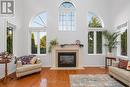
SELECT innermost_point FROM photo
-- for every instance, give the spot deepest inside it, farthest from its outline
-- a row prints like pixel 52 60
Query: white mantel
pixel 68 48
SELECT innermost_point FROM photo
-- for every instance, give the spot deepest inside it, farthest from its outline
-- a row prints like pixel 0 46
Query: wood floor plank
pixel 51 78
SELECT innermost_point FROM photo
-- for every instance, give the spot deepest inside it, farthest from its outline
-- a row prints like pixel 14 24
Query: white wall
pixel 17 20
pixel 120 13
pixel 34 7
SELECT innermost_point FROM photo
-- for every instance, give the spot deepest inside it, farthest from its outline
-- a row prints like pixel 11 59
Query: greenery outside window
pixel 9 46
pixel 38 43
pixel 124 43
pixel 95 41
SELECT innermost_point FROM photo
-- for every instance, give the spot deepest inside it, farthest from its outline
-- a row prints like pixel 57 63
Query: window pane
pixel 34 43
pixel 10 40
pixel 91 42
pixel 94 21
pixel 40 20
pixel 99 42
pixel 42 43
pixel 67 17
pixel 124 43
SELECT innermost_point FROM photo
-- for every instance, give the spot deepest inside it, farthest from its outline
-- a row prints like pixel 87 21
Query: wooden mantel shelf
pixel 67 48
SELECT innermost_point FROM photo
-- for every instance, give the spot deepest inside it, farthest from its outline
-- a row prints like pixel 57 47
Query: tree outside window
pixel 124 43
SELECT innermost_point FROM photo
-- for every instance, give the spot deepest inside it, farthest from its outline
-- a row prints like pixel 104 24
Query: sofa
pixel 120 74
pixel 25 67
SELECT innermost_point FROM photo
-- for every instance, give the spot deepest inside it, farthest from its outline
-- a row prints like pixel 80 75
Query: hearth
pixel 67 59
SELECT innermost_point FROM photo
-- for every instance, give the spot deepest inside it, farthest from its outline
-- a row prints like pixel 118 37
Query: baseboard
pixel 67 68
pixel 94 66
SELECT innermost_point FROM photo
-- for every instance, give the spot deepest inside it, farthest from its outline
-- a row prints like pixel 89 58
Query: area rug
pixel 98 80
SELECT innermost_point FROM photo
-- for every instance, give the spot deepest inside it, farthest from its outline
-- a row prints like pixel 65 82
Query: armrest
pixel 38 61
pixel 19 64
pixel 115 63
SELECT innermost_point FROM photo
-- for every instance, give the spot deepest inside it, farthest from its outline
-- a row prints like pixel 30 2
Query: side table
pixel 109 59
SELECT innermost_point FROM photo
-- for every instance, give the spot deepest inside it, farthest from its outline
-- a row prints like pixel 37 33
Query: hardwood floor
pixel 50 78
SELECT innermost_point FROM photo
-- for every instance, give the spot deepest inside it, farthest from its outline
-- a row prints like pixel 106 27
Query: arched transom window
pixel 40 20
pixel 67 17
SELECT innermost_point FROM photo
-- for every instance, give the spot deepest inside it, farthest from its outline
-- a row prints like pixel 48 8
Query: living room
pixel 50 31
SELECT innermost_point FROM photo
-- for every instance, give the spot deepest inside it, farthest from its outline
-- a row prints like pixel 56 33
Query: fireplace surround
pixel 66 51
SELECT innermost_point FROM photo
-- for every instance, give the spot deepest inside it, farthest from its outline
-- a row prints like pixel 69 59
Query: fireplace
pixel 66 59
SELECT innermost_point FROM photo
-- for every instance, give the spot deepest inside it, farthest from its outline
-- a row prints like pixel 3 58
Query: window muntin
pixel 40 20
pixel 67 17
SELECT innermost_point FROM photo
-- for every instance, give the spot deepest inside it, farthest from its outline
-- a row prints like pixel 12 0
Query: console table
pixel 5 60
pixel 109 59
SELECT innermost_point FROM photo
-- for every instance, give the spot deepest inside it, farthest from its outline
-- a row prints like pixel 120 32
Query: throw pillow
pixel 123 64
pixel 33 60
pixel 128 66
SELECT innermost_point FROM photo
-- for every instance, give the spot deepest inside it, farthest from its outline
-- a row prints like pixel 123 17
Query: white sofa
pixel 120 74
pixel 22 70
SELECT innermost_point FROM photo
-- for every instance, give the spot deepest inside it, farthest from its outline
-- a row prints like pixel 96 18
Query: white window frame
pixel 95 30
pixel 119 40
pixel 61 12
pixel 38 30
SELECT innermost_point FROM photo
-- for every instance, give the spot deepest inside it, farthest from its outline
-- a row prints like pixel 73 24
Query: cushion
pixel 123 64
pixel 28 67
pixel 26 59
pixel 128 66
pixel 33 60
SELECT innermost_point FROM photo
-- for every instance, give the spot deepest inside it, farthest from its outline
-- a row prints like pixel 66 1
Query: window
pixel 67 17
pixel 40 20
pixel 9 45
pixel 122 47
pixel 95 41
pixel 38 34
pixel 38 43
pixel 94 21
pixel 124 43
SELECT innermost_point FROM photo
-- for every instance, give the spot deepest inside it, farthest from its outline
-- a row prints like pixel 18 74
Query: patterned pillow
pixel 26 59
pixel 128 66
pixel 123 64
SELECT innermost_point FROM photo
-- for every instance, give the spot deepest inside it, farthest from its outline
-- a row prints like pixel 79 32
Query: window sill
pixel 120 56
pixel 96 54
pixel 39 54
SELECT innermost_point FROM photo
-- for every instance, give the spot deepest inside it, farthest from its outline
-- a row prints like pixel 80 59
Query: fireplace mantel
pixel 69 48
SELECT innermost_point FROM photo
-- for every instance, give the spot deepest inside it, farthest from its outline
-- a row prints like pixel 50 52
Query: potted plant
pixel 52 44
pixel 111 40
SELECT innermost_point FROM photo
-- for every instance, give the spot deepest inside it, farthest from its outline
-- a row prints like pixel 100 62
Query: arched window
pixel 38 27
pixel 67 17
pixel 40 20
pixel 95 28
pixel 94 21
